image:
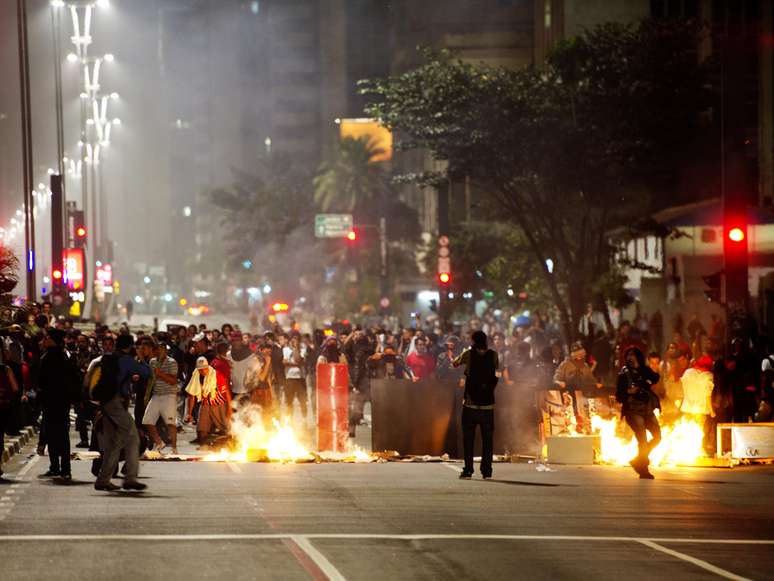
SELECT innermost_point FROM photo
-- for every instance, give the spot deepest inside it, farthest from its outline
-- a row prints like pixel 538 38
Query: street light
pixel 72 57
pixel 109 57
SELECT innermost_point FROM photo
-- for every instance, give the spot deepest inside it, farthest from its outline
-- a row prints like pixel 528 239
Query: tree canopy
pixel 567 151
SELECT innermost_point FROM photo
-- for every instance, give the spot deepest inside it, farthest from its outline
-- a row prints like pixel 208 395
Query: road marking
pixel 453 467
pixel 693 560
pixel 26 468
pixel 234 467
pixel 318 558
pixel 405 537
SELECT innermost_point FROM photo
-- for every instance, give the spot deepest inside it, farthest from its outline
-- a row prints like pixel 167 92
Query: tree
pixel 354 182
pixel 566 152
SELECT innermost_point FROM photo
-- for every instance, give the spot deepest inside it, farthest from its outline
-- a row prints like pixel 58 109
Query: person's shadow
pixel 523 483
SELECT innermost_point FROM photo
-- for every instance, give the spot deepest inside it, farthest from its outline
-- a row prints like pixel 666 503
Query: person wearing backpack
pixel 481 364
pixel 119 432
pixel 8 390
pixel 59 386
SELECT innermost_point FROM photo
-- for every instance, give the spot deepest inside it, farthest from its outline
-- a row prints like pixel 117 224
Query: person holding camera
pixel 634 391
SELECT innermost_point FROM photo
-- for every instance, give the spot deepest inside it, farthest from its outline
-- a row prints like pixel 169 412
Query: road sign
pixel 333 225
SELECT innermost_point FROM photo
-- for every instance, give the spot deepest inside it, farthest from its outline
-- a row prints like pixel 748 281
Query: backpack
pixel 6 393
pixel 104 380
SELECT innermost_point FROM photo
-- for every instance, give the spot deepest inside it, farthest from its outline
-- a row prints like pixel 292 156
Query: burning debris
pixel 681 442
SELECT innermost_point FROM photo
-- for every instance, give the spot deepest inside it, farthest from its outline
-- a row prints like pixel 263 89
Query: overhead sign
pixel 333 225
pixel 74 265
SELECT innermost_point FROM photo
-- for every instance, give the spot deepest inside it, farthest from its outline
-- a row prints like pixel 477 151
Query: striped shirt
pixel 161 387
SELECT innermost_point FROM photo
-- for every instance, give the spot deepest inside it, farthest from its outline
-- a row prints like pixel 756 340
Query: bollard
pixel 332 407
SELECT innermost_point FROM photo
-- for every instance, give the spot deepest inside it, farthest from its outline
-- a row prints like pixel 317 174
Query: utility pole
pixel 26 117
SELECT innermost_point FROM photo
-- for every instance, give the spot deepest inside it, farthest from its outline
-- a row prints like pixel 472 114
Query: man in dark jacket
pixel 634 390
pixel 481 364
pixel 58 385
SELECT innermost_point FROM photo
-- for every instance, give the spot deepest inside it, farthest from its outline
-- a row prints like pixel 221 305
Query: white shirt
pixel 294 371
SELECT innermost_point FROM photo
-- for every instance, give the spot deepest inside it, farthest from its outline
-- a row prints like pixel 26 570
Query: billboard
pixel 363 127
pixel 74 264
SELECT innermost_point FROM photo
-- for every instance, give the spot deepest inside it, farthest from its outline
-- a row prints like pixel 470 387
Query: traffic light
pixel 735 257
pixel 715 283
pixel 444 278
pixel 56 275
pixel 352 236
pixel 79 229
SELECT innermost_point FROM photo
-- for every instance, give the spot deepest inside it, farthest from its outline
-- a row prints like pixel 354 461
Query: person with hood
pixel 331 353
pixel 634 391
pixel 481 364
pixel 204 388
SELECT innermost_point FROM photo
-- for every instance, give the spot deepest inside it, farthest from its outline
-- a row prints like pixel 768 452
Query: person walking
pixel 163 399
pixel 119 433
pixel 634 390
pixel 481 364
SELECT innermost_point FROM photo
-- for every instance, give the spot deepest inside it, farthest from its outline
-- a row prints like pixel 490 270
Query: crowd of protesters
pixel 199 376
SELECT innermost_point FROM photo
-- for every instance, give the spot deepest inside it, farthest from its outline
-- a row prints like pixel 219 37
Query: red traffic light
pixel 352 236
pixel 80 232
pixel 444 277
pixel 57 274
pixel 736 234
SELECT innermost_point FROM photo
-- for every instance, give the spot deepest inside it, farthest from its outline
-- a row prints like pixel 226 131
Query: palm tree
pixel 353 182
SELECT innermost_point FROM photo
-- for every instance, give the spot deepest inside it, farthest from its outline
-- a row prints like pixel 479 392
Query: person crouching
pixel 213 399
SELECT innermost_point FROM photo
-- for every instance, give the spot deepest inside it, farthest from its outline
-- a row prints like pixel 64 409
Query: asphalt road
pixel 387 521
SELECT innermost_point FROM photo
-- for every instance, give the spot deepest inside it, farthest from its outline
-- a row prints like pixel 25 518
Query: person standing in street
pixel 481 364
pixel 294 359
pixel 163 400
pixel 204 388
pixel 119 432
pixel 59 386
pixel 634 391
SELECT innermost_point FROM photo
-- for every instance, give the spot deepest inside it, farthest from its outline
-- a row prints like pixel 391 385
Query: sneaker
pixel 67 478
pixel 52 473
pixel 106 486
pixel 466 475
pixel 158 447
pixel 486 476
pixel 134 485
pixel 174 451
pixel 638 465
pixel 82 445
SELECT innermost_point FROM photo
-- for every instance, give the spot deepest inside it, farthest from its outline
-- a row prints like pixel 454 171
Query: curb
pixel 15 444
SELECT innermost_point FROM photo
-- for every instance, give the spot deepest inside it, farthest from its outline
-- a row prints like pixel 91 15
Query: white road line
pixel 26 468
pixel 319 559
pixel 405 537
pixel 693 560
pixel 234 467
pixel 453 467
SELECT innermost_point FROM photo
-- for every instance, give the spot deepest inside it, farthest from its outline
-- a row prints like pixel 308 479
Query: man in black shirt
pixel 481 364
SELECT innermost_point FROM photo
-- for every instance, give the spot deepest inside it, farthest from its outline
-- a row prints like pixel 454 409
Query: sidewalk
pixel 14 444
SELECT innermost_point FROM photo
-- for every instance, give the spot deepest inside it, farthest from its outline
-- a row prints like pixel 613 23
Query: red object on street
pixel 332 407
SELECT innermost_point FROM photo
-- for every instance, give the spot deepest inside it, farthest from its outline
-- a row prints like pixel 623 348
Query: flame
pixel 681 442
pixel 253 441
